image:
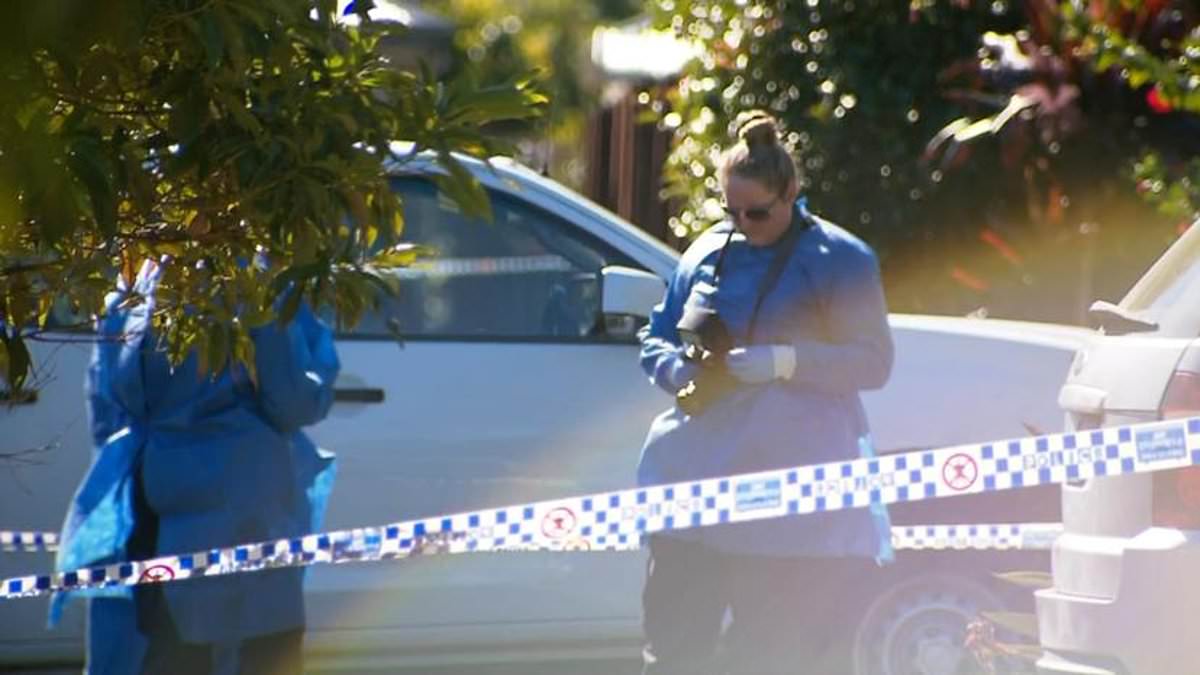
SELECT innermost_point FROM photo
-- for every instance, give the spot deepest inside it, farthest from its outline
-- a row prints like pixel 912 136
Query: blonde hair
pixel 757 154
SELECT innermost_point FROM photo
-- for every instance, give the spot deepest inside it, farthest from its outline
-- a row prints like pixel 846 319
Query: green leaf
pixel 52 195
pixel 218 348
pixel 244 354
pixel 292 276
pixel 326 9
pixel 241 114
pixel 351 295
pixel 401 255
pixel 1191 101
pixel 384 283
pixel 45 307
pixel 188 119
pixel 397 230
pixel 33 115
pixel 232 38
pixel 305 241
pixel 213 38
pixel 291 303
pixel 463 188
pixel 89 167
pixel 191 343
pixel 469 104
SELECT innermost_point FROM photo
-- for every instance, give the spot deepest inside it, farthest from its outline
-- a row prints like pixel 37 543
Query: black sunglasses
pixel 755 213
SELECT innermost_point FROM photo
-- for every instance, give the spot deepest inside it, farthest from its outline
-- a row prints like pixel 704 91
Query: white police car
pixel 518 380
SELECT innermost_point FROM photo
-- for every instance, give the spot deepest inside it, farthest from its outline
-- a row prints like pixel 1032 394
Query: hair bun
pixel 757 128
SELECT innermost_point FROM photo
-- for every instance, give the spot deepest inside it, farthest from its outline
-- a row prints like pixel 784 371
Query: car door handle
pixel 27 397
pixel 358 395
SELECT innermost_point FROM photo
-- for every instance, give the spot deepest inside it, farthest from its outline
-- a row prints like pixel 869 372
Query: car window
pixel 528 275
pixel 1162 293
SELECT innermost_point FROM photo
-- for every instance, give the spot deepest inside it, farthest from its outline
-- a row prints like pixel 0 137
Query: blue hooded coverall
pixel 828 304
pixel 745 585
pixel 222 461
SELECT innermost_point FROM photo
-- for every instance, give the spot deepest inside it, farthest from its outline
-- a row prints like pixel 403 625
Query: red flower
pixel 1157 102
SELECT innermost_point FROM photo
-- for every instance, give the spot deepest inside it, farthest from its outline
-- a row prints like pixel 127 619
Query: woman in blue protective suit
pixel 186 462
pixel 772 324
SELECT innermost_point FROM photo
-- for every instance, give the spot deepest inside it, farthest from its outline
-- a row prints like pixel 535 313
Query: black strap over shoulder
pixel 801 221
pixel 721 256
pixel 771 279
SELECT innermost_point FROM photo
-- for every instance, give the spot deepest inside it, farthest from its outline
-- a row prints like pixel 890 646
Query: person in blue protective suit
pixel 186 462
pixel 772 324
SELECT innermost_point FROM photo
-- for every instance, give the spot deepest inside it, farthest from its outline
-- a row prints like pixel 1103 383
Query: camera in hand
pixel 706 341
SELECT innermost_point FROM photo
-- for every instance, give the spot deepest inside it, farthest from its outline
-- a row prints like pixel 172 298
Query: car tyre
pixel 918 627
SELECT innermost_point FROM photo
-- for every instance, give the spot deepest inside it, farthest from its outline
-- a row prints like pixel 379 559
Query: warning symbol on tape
pixel 960 471
pixel 157 574
pixel 558 523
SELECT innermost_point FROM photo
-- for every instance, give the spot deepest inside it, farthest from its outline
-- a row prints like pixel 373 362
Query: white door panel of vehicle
pixel 503 422
pixel 505 427
pixel 1103 387
pixel 1110 364
pixel 46 441
pixel 924 404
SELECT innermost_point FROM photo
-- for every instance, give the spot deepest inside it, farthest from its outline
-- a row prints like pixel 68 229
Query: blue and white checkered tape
pixel 1002 537
pixel 997 536
pixel 615 520
pixel 28 541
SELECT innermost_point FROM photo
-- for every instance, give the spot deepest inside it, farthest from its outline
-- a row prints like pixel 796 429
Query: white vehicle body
pixel 511 409
pixel 1125 591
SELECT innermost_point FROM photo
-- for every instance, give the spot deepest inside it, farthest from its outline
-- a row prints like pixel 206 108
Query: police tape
pixel 993 537
pixel 619 519
pixel 29 542
pixel 491 266
pixel 988 537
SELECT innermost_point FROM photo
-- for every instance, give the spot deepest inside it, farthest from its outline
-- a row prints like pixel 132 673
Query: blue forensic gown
pixel 223 461
pixel 828 303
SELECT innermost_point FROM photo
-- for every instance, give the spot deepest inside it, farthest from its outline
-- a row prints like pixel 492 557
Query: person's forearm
pixel 665 364
pixel 849 367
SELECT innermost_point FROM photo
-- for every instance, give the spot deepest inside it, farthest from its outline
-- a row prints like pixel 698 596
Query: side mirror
pixel 627 297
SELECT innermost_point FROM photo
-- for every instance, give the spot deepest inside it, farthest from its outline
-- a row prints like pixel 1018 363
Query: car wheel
pixel 918 627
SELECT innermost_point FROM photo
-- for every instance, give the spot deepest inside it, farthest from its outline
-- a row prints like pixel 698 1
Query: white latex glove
pixel 759 364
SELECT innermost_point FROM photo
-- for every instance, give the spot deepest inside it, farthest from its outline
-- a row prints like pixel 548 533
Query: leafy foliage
pixel 216 135
pixel 504 38
pixel 1154 46
pixel 967 141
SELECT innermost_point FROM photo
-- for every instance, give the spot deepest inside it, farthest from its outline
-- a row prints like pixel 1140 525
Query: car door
pixel 504 387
